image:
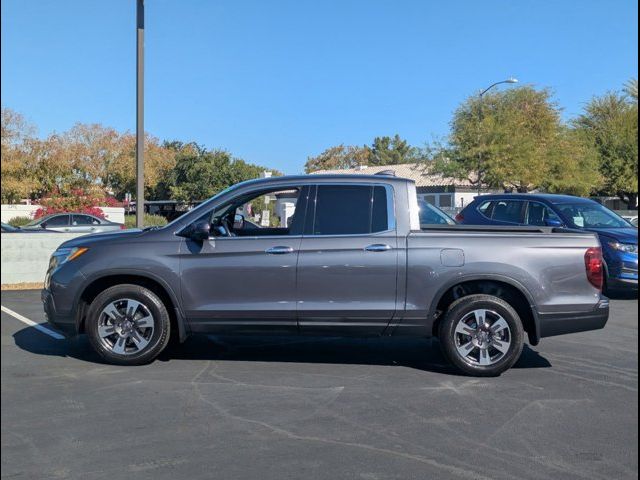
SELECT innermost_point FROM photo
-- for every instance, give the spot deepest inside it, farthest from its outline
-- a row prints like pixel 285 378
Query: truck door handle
pixel 377 247
pixel 279 250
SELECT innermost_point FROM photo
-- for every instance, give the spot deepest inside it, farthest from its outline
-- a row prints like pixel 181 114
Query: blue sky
pixel 276 81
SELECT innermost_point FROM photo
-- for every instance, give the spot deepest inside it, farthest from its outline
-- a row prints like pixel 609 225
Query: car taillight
pixel 122 227
pixel 459 217
pixel 594 265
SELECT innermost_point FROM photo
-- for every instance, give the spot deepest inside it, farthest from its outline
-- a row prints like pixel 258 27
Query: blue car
pixel 618 237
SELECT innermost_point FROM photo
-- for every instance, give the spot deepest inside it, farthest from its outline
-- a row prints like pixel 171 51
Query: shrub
pixel 149 221
pixel 78 201
pixel 19 221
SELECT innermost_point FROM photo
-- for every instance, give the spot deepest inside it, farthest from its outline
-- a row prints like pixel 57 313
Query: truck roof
pixel 328 177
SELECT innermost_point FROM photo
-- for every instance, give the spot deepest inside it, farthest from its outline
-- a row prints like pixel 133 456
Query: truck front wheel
pixel 128 325
pixel 482 335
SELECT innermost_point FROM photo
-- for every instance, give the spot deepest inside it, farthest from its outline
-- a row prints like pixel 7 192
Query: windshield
pixel 430 215
pixel 33 223
pixel 591 215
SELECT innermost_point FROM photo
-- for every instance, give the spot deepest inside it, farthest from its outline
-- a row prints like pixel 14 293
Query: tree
pixel 515 140
pixel 392 151
pixel 610 123
pixel 338 158
pixel 17 174
pixel 198 175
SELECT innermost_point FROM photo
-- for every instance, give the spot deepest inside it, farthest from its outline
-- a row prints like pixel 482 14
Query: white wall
pixel 114 214
pixel 25 256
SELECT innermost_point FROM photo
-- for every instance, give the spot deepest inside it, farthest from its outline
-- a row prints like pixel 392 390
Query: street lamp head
pixel 511 80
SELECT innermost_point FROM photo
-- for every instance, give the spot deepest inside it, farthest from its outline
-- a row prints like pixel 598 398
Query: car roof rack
pixel 388 173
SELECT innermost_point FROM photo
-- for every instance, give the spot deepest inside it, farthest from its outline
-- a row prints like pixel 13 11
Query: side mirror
pixel 43 225
pixel 198 231
pixel 552 222
pixel 238 222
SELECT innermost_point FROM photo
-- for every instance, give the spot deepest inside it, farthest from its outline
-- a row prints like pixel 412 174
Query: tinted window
pixel 57 221
pixel 85 220
pixel 380 216
pixel 508 211
pixel 538 214
pixel 350 210
pixel 486 209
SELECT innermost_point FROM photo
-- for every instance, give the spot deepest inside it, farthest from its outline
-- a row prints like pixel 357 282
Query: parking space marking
pixel 33 324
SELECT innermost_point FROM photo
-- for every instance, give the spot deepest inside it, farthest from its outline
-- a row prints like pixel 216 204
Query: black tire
pixel 462 307
pixel 161 324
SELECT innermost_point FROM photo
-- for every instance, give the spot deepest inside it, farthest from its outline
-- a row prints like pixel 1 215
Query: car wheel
pixel 128 325
pixel 482 335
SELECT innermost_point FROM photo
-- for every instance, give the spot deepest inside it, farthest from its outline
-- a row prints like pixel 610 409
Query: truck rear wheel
pixel 482 335
pixel 128 325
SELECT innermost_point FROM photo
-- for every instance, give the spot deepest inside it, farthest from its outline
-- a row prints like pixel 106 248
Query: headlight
pixel 624 247
pixel 64 255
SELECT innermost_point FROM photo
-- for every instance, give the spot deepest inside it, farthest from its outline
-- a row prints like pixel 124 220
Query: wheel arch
pixel 500 286
pixel 97 284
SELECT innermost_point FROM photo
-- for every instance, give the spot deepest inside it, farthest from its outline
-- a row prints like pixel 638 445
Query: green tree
pixel 392 151
pixel 198 175
pixel 515 139
pixel 338 158
pixel 610 123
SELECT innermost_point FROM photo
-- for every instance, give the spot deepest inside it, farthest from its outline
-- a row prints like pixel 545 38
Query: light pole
pixel 140 114
pixel 508 80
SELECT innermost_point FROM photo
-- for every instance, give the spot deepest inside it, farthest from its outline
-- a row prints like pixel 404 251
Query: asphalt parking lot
pixel 292 408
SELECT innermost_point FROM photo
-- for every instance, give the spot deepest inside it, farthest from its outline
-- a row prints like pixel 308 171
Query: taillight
pixel 594 265
pixel 459 217
pixel 122 227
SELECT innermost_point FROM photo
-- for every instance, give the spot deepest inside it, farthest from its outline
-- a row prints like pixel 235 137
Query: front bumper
pixel 66 323
pixel 552 324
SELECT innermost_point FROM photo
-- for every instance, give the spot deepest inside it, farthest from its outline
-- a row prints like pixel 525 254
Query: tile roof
pixel 418 172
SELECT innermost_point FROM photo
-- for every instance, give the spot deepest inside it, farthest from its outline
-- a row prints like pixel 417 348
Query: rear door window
pixel 85 220
pixel 351 210
pixel 509 211
pixel 58 221
pixel 539 214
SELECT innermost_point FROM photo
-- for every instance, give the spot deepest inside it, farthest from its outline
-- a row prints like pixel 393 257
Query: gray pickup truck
pixel 337 255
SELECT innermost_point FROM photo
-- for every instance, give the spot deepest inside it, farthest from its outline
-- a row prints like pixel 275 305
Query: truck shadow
pixel 418 353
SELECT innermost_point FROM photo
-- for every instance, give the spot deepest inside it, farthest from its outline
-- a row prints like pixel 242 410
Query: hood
pixel 622 235
pixel 106 237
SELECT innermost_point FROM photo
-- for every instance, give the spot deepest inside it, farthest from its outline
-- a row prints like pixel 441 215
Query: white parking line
pixel 31 323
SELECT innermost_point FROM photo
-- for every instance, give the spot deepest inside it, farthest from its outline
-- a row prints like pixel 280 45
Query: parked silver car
pixel 73 223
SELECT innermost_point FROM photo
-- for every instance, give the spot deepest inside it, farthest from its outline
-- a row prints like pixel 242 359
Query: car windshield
pixel 430 215
pixel 33 223
pixel 591 215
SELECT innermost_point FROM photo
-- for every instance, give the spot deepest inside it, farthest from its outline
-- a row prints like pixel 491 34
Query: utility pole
pixel 140 114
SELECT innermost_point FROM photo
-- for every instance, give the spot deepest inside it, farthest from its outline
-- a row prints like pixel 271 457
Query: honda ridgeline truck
pixel 329 255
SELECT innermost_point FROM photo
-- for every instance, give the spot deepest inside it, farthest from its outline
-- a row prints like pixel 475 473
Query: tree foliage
pixel 515 140
pixel 338 158
pixel 610 125
pixel 198 174
pixel 383 151
pixel 101 161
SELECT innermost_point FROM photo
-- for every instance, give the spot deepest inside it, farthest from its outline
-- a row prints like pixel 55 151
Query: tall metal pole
pixel 140 115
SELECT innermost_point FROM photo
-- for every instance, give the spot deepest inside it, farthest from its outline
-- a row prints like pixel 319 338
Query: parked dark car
pixel 73 223
pixel 343 255
pixel 618 237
